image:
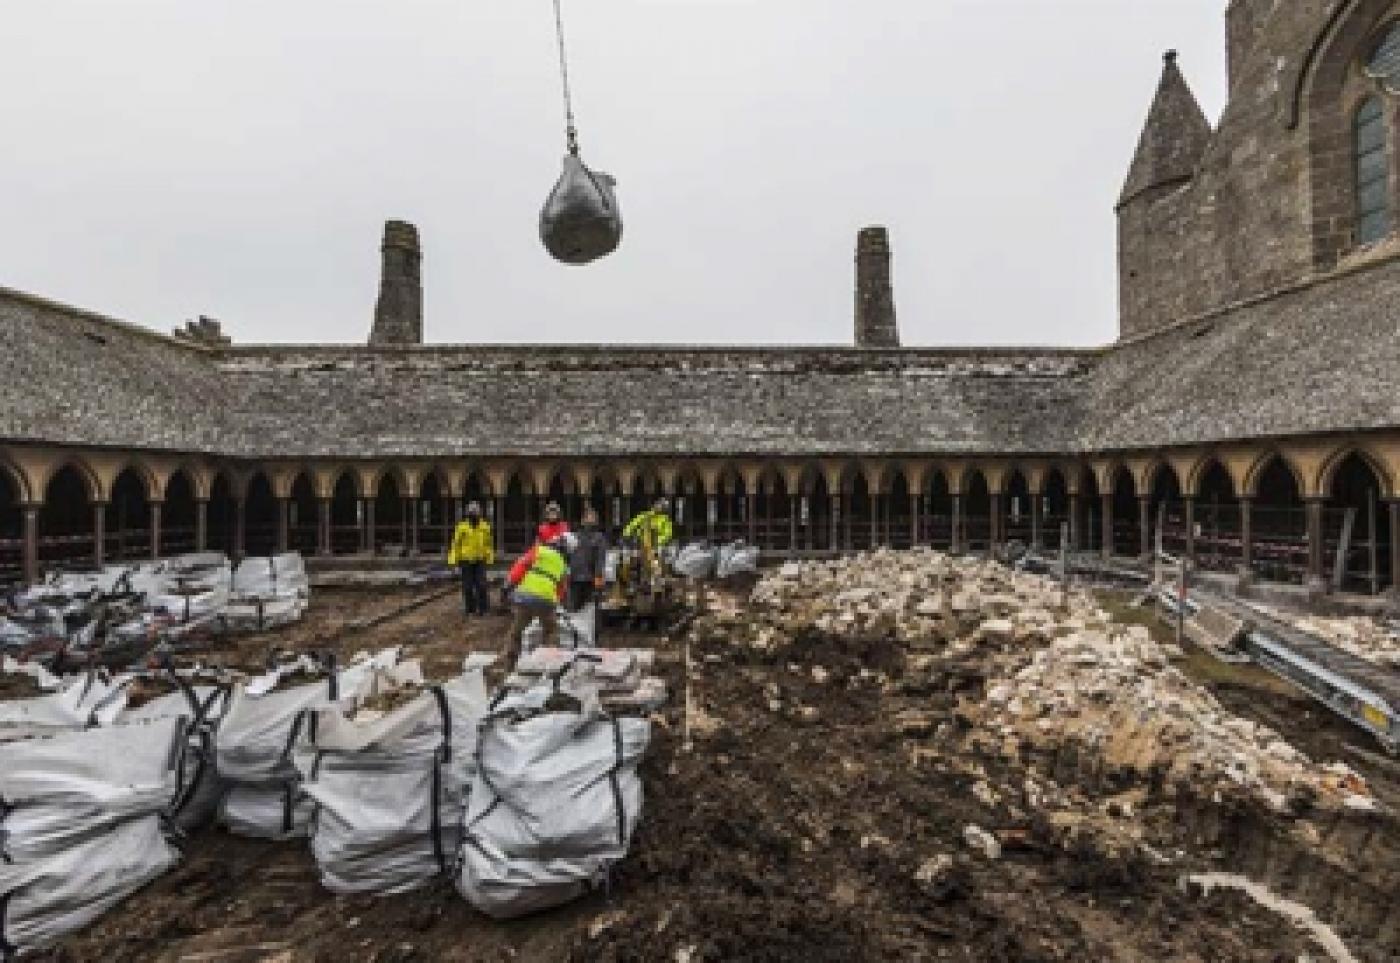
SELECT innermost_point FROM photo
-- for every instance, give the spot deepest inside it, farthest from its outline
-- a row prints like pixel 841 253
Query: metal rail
pixel 1361 692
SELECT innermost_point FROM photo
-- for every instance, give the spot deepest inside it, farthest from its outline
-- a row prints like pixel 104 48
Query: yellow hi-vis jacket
pixel 654 522
pixel 545 575
pixel 471 542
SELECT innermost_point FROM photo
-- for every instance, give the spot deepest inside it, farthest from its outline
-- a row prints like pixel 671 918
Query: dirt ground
pixel 807 820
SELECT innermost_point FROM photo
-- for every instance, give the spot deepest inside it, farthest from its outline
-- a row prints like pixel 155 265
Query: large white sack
pixel 76 784
pixel 86 700
pixel 389 792
pixel 272 576
pixel 696 560
pixel 554 802
pixel 576 629
pixel 47 899
pixel 736 559
pixel 275 811
pixel 258 729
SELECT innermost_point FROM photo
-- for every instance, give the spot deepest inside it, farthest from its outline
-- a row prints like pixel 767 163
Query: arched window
pixel 1384 62
pixel 1372 173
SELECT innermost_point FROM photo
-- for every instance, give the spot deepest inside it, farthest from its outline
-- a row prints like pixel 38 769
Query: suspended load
pixel 580 221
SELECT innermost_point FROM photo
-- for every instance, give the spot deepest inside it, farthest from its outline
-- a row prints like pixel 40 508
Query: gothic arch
pixel 1335 460
pixel 1251 478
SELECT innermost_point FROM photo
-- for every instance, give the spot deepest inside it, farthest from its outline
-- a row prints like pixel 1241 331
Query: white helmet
pixel 566 542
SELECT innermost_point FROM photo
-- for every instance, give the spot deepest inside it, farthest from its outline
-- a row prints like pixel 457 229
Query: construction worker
pixel 553 525
pixel 538 583
pixel 473 549
pixel 654 523
pixel 587 564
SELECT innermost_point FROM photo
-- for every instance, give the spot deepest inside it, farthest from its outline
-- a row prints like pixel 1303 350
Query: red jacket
pixel 523 564
pixel 549 531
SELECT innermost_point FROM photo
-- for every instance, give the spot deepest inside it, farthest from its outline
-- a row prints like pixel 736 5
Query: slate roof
pixel 1319 359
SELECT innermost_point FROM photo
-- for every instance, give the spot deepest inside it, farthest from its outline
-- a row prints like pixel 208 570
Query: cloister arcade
pixel 1306 512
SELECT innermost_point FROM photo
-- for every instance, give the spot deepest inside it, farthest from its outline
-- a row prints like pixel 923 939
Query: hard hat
pixel 567 541
pixel 474 507
pixel 663 504
pixel 552 508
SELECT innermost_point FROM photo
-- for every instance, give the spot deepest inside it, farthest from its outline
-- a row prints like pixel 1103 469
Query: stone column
pixel 284 524
pixel 711 510
pixel 955 536
pixel 201 524
pixel 1074 521
pixel 1317 578
pixel 794 506
pixel 836 526
pixel 1190 505
pixel 371 536
pixel 239 543
pixel 915 507
pixel 99 533
pixel 411 506
pixel 1037 539
pixel 1145 527
pixel 1394 508
pixel 876 504
pixel 31 544
pixel 998 525
pixel 751 518
pixel 155 529
pixel 492 512
pixel 323 527
pixel 1246 537
pixel 1106 500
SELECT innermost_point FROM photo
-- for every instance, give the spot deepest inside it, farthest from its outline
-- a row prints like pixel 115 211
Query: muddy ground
pixel 807 820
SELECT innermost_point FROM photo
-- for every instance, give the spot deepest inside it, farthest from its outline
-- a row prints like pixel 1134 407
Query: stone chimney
pixel 398 314
pixel 875 323
pixel 206 331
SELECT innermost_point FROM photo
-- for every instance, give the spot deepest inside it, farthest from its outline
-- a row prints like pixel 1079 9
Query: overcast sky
pixel 237 158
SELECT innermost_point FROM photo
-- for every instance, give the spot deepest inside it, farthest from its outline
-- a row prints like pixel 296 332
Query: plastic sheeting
pixel 554 802
pixel 389 792
pixel 580 221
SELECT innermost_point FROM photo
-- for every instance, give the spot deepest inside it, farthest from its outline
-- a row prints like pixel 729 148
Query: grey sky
pixel 166 158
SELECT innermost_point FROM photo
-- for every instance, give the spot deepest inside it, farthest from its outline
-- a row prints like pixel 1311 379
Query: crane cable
pixel 571 133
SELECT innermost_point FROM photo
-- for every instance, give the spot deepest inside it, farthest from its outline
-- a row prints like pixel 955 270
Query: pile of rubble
pixel 1368 638
pixel 1056 670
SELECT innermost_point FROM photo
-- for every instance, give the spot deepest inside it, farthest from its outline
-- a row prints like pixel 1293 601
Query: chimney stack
pixel 875 321
pixel 398 314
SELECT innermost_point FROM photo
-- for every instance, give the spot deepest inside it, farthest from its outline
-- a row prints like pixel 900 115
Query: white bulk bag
pixel 553 804
pixel 75 785
pixel 44 900
pixel 389 792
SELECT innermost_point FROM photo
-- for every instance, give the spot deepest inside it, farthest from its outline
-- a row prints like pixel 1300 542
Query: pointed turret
pixel 1173 140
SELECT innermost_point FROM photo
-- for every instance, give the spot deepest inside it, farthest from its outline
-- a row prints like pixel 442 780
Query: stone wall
pixel 1241 227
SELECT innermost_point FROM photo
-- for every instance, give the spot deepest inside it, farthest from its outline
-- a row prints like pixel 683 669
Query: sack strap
pixel 8 950
pixel 616 786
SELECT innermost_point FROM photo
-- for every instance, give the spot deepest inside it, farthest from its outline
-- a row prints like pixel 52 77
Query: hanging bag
pixel 580 221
